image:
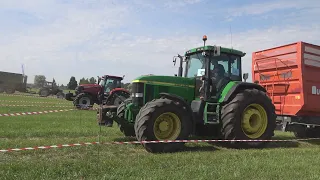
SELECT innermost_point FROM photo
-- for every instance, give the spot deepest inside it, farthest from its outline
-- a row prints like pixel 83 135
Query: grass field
pixel 290 160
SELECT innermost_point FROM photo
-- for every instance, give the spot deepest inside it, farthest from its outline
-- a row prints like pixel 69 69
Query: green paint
pixel 181 86
pixel 211 48
pixel 166 80
pixel 130 112
pixel 226 90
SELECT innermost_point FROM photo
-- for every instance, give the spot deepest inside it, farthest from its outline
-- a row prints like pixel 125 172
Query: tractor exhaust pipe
pixel 180 70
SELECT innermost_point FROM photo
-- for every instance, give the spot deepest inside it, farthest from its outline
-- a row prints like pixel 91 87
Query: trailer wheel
pixel 249 116
pixel 301 131
pixel 1 89
pixel 162 119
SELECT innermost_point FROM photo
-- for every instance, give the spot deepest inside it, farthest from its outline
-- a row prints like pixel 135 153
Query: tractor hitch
pixel 106 115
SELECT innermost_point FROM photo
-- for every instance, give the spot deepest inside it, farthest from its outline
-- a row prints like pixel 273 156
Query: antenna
pixel 22 67
pixel 231 37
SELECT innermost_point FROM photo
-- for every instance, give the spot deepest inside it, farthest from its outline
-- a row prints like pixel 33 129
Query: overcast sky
pixel 85 38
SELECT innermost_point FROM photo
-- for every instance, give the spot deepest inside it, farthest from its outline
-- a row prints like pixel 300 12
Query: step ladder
pixel 209 116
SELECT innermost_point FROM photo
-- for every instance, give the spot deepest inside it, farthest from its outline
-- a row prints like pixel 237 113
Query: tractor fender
pixel 239 86
pixel 182 101
pixel 117 90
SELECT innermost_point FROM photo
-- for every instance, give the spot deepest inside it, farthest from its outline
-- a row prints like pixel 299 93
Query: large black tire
pixel 147 116
pixel 301 132
pixel 83 100
pixel 232 113
pixel 1 89
pixel 125 127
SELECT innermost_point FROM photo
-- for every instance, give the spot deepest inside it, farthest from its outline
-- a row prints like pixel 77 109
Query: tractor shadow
pixel 269 145
pixel 187 148
pixel 214 146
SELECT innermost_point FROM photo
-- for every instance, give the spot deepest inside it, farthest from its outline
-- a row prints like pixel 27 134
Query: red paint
pixel 289 73
pixel 91 88
pixel 117 90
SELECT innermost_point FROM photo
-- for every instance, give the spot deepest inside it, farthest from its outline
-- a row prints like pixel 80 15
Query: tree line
pixel 40 81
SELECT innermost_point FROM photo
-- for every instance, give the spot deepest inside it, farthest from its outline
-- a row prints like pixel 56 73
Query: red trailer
pixel 291 76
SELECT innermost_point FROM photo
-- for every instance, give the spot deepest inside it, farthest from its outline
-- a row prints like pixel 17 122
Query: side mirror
pixel 245 76
pixel 174 61
pixel 216 51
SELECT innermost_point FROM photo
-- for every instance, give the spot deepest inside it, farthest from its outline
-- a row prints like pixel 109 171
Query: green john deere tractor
pixel 209 99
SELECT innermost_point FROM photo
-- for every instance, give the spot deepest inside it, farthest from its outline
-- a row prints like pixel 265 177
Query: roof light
pixel 204 38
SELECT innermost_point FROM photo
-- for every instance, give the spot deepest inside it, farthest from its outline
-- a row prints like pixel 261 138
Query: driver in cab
pixel 218 80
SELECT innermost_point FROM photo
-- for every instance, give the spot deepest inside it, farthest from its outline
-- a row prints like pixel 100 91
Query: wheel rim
pixel 254 121
pixel 167 126
pixel 84 101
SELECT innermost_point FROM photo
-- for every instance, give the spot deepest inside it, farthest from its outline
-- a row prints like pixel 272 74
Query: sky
pixel 90 38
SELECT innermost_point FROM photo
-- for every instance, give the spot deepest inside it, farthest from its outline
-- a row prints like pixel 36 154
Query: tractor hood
pixel 88 88
pixel 180 86
pixel 167 80
pixel 90 85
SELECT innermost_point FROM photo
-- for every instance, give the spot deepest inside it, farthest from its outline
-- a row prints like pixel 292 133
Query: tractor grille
pixel 137 93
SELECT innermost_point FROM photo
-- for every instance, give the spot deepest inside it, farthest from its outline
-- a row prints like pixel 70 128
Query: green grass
pixel 290 160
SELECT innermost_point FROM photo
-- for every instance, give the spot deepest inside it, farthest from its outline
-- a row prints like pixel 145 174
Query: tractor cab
pixel 213 67
pixel 108 83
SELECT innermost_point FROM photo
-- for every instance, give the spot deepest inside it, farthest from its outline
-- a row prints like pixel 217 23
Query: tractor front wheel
pixel 162 119
pixel 126 128
pixel 249 116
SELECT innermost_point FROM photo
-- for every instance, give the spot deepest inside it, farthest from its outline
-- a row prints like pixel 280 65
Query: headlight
pixel 137 93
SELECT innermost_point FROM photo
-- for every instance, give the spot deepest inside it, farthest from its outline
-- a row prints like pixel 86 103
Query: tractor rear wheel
pixel 249 116
pixel 83 100
pixel 126 128
pixel 162 119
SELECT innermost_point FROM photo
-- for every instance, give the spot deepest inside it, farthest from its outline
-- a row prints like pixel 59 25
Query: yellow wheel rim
pixel 167 126
pixel 254 121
